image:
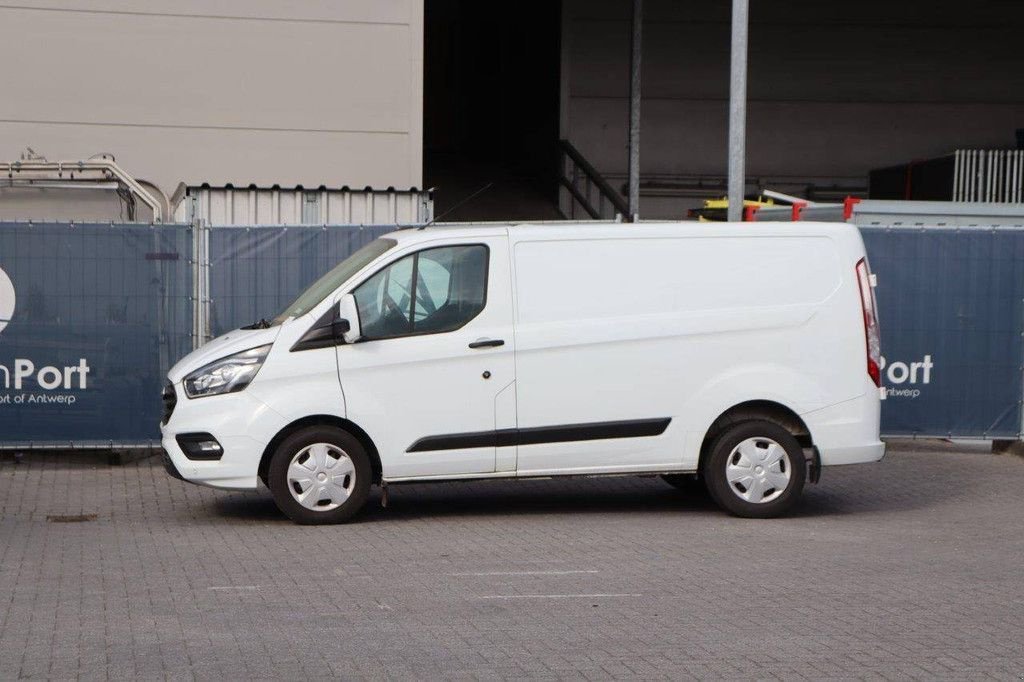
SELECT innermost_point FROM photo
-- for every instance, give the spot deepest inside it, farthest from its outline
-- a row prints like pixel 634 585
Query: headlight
pixel 226 375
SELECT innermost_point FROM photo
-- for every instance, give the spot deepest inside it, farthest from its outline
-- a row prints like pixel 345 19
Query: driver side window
pixel 431 291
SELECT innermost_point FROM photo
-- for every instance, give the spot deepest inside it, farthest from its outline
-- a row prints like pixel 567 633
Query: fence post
pixel 200 282
pixel 205 303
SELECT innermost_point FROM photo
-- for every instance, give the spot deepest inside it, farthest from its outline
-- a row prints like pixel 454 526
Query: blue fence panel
pixel 951 308
pixel 256 271
pixel 91 318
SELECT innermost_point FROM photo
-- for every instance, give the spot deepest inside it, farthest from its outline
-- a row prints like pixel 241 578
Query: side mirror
pixel 347 325
pixel 333 328
pixel 338 330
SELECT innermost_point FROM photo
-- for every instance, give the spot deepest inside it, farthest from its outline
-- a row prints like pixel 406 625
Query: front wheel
pixel 320 474
pixel 755 469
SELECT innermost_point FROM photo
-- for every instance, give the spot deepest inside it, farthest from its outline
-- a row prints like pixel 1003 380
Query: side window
pixel 428 292
pixel 383 301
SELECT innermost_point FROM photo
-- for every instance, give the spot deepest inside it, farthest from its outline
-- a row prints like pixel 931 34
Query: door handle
pixel 487 343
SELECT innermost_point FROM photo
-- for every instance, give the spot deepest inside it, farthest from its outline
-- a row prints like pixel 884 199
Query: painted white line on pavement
pixel 500 573
pixel 557 596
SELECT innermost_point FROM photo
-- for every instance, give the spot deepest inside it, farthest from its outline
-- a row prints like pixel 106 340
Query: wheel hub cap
pixel 758 470
pixel 321 477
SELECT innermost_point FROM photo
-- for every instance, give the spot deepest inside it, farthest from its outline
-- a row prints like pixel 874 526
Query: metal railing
pixel 587 189
pixel 95 171
pixel 988 176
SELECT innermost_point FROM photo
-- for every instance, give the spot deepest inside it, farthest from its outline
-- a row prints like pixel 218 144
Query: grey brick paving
pixel 909 569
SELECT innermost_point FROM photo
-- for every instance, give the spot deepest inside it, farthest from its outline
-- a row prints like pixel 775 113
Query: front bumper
pixel 169 465
pixel 240 423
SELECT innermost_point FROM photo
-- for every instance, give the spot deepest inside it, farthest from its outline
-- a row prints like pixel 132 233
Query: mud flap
pixel 814 465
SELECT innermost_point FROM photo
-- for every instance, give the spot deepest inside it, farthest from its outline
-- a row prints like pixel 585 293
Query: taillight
pixel 873 339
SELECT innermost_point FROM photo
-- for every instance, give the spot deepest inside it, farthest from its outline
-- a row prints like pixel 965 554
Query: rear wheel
pixel 320 474
pixel 755 469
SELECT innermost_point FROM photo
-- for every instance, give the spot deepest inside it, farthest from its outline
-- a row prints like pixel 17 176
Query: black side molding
pixel 631 428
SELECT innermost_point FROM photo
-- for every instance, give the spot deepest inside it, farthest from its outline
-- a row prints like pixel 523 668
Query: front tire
pixel 755 469
pixel 320 474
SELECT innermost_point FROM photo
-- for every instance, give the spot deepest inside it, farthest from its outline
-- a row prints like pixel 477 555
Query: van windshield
pixel 321 288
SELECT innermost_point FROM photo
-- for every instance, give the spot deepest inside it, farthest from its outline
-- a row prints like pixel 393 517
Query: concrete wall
pixel 225 91
pixel 835 88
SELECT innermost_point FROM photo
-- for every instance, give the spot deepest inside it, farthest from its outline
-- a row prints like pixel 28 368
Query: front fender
pixel 300 383
pixel 296 396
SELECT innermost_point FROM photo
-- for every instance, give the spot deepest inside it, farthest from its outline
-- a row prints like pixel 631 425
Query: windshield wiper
pixel 261 323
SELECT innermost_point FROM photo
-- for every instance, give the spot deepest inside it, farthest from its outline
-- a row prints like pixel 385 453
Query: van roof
pixel 612 230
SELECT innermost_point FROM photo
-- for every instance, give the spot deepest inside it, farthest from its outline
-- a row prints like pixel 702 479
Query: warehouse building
pixel 527 99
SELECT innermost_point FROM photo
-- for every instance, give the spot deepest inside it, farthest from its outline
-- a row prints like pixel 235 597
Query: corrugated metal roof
pixel 230 205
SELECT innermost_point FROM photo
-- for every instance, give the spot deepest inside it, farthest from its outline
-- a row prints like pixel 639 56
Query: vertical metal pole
pixel 956 175
pixel 971 195
pixel 965 176
pixel 634 113
pixel 197 294
pixel 989 172
pixel 1018 157
pixel 201 282
pixel 738 110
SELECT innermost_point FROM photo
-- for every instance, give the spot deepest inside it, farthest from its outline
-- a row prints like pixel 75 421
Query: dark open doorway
pixel 491 97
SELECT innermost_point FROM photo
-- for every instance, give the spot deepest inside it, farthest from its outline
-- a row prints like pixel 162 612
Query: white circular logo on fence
pixel 6 299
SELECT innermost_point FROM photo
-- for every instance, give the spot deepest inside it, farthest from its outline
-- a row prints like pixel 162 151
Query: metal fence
pixel 951 303
pixel 255 272
pixel 93 315
pixel 91 318
pixel 951 297
pixel 995 175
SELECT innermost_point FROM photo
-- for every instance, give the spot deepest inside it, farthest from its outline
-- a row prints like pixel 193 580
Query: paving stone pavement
pixel 912 568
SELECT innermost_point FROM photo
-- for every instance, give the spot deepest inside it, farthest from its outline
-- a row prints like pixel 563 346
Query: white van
pixel 743 355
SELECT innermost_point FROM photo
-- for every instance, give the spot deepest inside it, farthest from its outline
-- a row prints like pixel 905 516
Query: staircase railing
pixel 587 189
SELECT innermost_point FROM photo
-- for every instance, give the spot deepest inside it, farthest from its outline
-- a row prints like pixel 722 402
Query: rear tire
pixel 755 469
pixel 320 474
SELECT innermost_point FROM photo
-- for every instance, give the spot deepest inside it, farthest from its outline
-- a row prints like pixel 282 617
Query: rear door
pixel 433 379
